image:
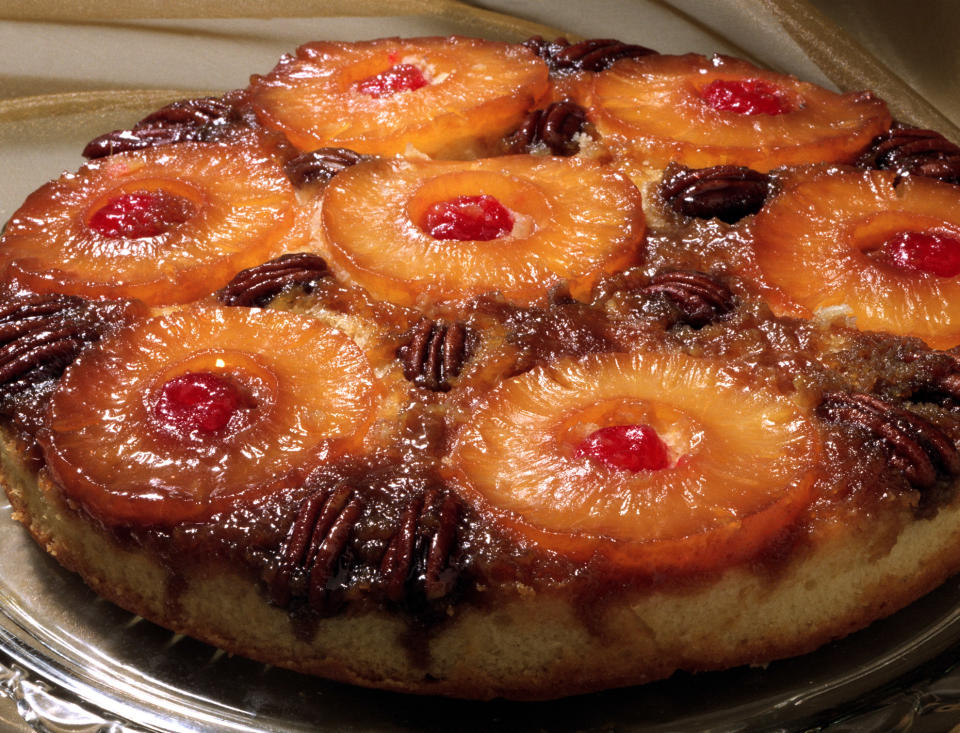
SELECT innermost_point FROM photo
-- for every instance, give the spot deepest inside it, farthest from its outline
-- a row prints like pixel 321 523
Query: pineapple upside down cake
pixel 454 366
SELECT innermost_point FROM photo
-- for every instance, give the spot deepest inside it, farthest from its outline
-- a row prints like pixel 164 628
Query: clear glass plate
pixel 73 662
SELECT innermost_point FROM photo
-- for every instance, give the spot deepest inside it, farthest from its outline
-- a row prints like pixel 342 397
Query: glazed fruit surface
pixel 721 485
pixel 128 441
pixel 702 112
pixel 161 225
pixel 881 247
pixel 442 97
pixel 417 327
pixel 376 220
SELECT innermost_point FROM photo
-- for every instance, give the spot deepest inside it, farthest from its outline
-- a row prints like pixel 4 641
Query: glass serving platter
pixel 72 662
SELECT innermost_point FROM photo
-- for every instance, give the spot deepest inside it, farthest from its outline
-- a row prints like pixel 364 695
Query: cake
pixel 460 367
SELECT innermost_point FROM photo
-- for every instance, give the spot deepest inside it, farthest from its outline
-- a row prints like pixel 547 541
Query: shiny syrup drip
pixel 398 78
pixel 479 218
pixel 625 447
pixel 196 403
pixel 141 214
pixel 746 97
pixel 929 252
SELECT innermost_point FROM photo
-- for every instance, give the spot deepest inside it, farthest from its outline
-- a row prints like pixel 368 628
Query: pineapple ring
pixel 813 241
pixel 727 491
pixel 106 450
pixel 650 111
pixel 477 91
pixel 372 212
pixel 245 212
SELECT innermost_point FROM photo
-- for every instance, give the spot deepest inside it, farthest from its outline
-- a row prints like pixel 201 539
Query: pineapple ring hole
pixel 523 200
pixel 252 382
pixel 931 252
pixel 402 77
pixel 908 245
pixel 632 448
pixel 748 96
pixel 140 209
pixel 680 433
pixel 476 218
pixel 377 66
pixel 199 402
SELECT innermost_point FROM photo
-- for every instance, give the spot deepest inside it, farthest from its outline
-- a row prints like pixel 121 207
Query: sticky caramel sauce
pixel 401 474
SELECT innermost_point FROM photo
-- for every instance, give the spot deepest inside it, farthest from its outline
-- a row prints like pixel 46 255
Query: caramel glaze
pixel 399 485
pixel 39 336
pixel 386 531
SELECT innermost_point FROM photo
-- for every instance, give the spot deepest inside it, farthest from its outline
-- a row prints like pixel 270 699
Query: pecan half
pixel 397 564
pixel 949 383
pixel 257 286
pixel 699 298
pixel 121 141
pixel 917 447
pixel 192 112
pixel 188 120
pixel 317 542
pixel 41 334
pixel 434 354
pixel 438 573
pixel 554 127
pixel 916 152
pixel 940 385
pixel 418 563
pixel 725 192
pixel 319 166
pixel 595 54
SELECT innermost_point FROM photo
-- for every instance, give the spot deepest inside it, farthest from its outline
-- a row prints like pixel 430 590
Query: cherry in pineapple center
pixel 137 214
pixel 746 97
pixel 478 218
pixel 934 253
pixel 398 78
pixel 625 447
pixel 199 404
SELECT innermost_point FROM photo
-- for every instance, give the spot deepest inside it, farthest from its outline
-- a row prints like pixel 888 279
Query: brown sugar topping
pixel 595 54
pixel 256 286
pixel 699 297
pixel 554 127
pixel 915 446
pixel 725 192
pixel 434 354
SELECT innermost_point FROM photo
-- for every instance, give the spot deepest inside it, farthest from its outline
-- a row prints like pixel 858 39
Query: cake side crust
pixel 521 645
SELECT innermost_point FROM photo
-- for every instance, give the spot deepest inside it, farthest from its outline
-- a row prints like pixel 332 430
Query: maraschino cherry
pixel 141 214
pixel 746 97
pixel 398 78
pixel 479 218
pixel 625 447
pixel 930 252
pixel 197 404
